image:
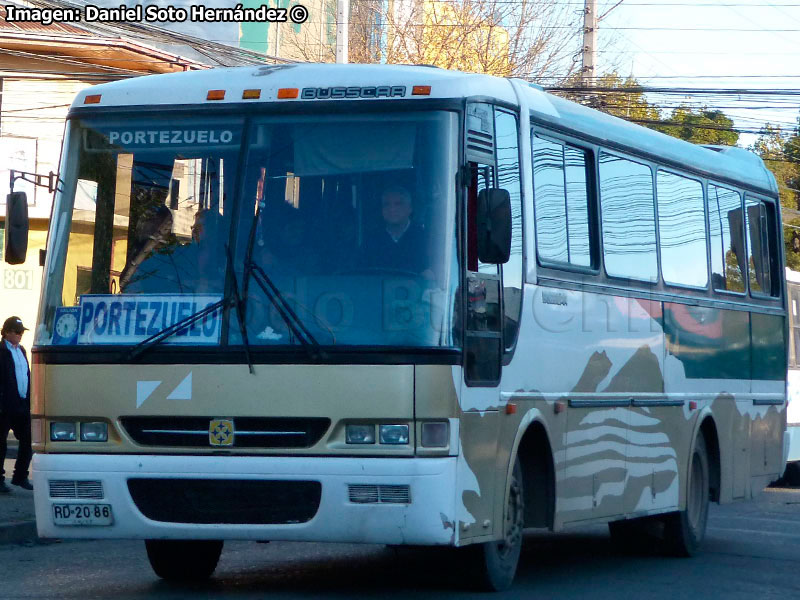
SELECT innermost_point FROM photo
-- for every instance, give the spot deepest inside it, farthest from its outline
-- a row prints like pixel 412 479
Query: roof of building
pixel 186 48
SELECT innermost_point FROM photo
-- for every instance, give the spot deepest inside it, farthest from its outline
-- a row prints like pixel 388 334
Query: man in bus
pixel 15 402
pixel 402 244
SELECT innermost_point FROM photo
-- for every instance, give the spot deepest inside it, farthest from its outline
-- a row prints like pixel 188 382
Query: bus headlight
pixel 360 434
pixel 394 434
pixel 62 432
pixel 435 435
pixel 94 432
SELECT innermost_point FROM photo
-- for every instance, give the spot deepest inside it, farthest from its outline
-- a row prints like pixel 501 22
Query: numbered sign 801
pixel 18 279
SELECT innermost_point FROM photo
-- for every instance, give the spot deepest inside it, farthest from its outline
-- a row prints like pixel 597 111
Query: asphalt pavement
pixel 17 517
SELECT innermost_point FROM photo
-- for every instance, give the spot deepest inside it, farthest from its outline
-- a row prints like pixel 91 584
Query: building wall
pixel 31 132
pixel 21 285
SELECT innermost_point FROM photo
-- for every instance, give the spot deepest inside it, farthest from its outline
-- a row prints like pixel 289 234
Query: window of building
pixel 726 232
pixel 682 230
pixel 562 203
pixel 628 219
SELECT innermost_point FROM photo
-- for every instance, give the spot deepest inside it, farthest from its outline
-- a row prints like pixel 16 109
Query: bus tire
pixel 684 530
pixel 495 563
pixel 183 560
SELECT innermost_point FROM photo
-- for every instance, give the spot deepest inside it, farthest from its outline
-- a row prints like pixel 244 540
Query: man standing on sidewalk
pixel 15 402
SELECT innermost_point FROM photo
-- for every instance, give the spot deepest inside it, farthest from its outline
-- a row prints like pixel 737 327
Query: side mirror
pixel 16 244
pixel 494 226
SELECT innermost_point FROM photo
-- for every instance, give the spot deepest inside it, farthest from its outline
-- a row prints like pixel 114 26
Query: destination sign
pixel 132 318
pixel 131 138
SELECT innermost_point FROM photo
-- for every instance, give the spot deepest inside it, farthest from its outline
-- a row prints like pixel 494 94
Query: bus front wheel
pixel 183 560
pixel 496 562
pixel 684 530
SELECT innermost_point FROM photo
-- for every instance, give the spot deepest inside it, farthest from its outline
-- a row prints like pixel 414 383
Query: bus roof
pixel 361 81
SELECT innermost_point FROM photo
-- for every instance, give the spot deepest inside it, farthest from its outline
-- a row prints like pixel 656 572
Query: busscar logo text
pixel 338 93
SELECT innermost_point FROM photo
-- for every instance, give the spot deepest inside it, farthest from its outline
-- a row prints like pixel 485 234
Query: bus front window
pixel 353 220
pixel 144 210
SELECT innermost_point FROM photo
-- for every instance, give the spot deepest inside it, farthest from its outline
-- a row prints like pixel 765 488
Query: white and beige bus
pixel 398 305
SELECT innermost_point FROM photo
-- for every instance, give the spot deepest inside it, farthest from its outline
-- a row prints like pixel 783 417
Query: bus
pixel 792 475
pixel 398 305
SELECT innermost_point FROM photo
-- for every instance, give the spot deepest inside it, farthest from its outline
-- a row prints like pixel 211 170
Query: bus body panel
pixel 337 392
pixel 428 519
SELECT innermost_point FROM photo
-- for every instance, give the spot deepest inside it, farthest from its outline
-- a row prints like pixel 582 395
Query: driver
pixel 401 244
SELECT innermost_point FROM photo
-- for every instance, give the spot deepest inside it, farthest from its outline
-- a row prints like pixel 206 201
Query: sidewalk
pixel 17 520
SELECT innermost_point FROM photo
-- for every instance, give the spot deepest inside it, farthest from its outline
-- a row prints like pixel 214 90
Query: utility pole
pixel 342 22
pixel 589 63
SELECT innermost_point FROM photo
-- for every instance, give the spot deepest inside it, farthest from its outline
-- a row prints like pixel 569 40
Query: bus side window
pixel 628 219
pixel 483 291
pixel 561 202
pixel 682 230
pixel 507 143
pixel 726 230
pixel 761 253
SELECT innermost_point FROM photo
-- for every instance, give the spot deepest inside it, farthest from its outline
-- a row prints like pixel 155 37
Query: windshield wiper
pixel 274 295
pixel 293 322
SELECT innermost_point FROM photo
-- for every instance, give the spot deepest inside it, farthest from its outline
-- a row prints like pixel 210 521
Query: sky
pixel 710 44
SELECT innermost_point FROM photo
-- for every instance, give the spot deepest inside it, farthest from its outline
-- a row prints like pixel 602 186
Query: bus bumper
pixel 426 517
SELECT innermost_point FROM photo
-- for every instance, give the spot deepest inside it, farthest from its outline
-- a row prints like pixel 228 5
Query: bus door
pixel 488 327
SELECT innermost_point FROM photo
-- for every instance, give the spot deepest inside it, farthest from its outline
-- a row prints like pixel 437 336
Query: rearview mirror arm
pixel 37 179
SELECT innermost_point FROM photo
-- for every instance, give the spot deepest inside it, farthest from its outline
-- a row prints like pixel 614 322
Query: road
pixel 752 550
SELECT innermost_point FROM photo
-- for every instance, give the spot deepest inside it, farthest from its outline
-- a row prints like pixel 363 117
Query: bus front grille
pixel 247 432
pixel 69 488
pixel 228 501
pixel 379 494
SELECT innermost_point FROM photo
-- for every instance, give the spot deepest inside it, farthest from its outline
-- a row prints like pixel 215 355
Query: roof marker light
pixel 251 94
pixel 92 99
pixel 216 95
pixel 421 90
pixel 288 93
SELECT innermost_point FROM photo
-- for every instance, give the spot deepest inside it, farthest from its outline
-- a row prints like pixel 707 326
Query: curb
pixel 15 533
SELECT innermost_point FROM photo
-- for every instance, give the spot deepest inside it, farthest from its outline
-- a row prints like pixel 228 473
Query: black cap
pixel 13 324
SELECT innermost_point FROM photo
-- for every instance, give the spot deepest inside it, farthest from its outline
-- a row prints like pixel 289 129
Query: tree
pixel 626 99
pixel 781 155
pixel 626 102
pixel 525 38
pixel 701 126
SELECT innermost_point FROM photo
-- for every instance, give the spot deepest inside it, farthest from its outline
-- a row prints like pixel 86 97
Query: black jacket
pixel 10 401
pixel 409 253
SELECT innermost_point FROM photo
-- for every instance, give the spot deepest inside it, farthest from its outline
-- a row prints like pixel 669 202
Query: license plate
pixel 82 514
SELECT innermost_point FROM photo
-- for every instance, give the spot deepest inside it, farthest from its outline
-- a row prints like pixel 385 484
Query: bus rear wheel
pixel 183 560
pixel 684 530
pixel 495 563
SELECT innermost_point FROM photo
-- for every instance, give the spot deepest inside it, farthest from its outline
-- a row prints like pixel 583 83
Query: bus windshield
pixel 345 223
